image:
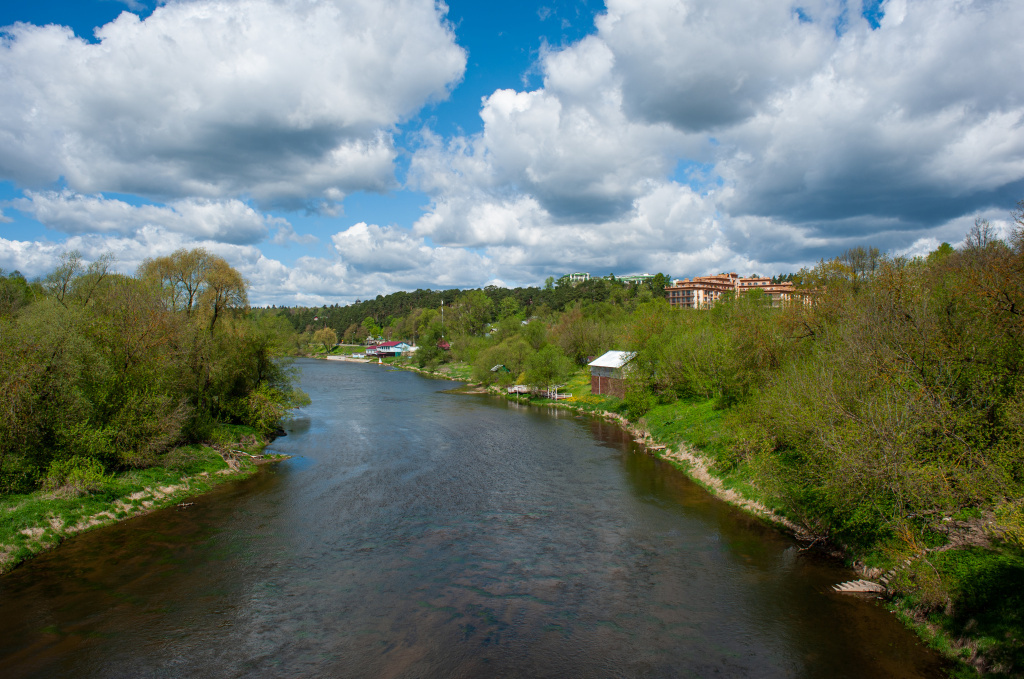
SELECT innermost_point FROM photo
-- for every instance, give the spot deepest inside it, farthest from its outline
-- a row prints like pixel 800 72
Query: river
pixel 418 533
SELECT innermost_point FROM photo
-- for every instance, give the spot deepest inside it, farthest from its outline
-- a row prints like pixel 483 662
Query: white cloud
pixel 805 132
pixel 288 102
pixel 706 64
pixel 567 149
pixel 389 255
pixel 286 234
pixel 370 247
pixel 340 276
pixel 36 258
pixel 228 221
pixel 920 120
pixel 809 132
pixel 4 219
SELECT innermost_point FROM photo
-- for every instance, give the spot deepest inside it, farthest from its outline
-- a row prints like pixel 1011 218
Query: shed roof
pixel 612 359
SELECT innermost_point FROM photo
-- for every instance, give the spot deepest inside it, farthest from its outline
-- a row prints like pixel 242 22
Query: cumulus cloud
pixel 706 64
pixel 37 258
pixel 394 255
pixel 568 146
pixel 810 131
pixel 374 248
pixel 285 235
pixel 289 102
pixel 921 120
pixel 228 221
pixel 683 136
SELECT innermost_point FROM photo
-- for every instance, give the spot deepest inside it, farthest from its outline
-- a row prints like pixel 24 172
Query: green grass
pixel 691 421
pixel 985 587
pixel 459 371
pixel 967 601
pixel 35 522
pixel 967 513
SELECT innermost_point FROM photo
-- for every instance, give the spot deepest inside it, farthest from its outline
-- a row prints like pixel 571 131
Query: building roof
pixel 612 359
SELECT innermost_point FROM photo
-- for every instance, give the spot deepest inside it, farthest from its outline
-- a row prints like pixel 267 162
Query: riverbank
pixel 685 457
pixel 959 593
pixel 37 522
pixel 957 589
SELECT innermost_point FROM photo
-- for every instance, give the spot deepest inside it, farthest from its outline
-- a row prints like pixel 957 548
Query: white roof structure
pixel 612 359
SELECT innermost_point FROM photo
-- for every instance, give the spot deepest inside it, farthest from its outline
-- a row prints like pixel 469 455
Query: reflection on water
pixel 419 534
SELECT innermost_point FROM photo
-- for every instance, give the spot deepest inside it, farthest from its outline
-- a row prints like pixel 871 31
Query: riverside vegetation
pixel 886 419
pixel 120 394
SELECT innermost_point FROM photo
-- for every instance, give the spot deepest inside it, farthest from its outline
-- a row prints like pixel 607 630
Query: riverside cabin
pixel 389 349
pixel 608 372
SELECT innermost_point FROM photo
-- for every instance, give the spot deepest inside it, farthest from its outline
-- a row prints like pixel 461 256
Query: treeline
pixel 102 372
pixel 387 315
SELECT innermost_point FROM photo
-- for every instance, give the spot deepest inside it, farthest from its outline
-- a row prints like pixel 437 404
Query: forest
pixel 102 372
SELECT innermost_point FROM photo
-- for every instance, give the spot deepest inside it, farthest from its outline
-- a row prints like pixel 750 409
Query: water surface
pixel 424 534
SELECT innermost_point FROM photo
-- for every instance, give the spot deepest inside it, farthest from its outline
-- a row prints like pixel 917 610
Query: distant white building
pixel 633 279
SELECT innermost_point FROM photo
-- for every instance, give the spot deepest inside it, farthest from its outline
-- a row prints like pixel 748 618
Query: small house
pixel 608 373
pixel 392 349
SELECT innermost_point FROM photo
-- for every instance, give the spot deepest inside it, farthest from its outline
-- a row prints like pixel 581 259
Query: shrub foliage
pixel 101 372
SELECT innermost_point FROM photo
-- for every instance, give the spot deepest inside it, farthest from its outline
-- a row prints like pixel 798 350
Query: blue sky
pixel 337 149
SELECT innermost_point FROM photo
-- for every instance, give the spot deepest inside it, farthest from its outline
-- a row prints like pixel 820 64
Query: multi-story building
pixel 578 277
pixel 636 278
pixel 703 291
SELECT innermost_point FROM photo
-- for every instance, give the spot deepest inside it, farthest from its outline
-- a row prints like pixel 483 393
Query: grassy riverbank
pixel 36 522
pixel 961 590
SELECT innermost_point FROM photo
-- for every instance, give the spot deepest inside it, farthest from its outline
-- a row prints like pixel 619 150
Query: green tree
pixel 371 328
pixel 509 308
pixel 548 367
pixel 470 313
pixel 578 336
pixel 326 337
pixel 225 289
pixel 15 293
pixel 182 275
pixel 938 254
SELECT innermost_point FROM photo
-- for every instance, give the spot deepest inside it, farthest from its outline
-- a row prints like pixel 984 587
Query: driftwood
pixel 231 456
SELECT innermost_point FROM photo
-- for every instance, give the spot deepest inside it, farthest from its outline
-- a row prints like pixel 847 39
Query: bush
pixel 268 406
pixel 74 476
pixel 638 403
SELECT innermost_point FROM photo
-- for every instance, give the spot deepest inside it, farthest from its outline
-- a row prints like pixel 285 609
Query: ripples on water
pixel 421 534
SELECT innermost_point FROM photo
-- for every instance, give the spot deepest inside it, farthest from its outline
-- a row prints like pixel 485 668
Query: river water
pixel 425 534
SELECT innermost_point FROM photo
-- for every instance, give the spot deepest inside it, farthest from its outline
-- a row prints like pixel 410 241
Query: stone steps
pixel 859 586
